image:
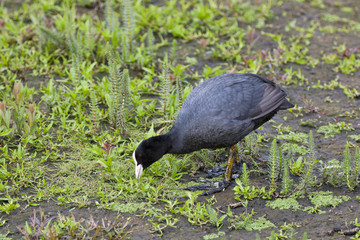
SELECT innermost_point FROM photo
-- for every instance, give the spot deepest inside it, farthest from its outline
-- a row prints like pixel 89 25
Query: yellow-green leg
pixel 233 154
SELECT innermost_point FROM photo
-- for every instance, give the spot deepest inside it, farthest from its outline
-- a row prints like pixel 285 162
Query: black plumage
pixel 217 113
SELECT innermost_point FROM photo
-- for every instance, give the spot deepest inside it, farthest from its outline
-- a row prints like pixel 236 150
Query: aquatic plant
pixel 150 41
pixel 245 176
pixel 332 129
pixel 214 218
pixel 332 172
pixel 120 96
pixel 286 180
pixel 357 164
pixel 109 16
pixel 173 53
pixel 179 90
pixel 347 168
pixel 94 111
pixel 165 83
pixel 129 21
pixel 284 203
pixel 274 164
pixel 310 165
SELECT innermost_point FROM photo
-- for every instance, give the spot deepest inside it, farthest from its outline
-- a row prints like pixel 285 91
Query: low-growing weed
pixel 332 129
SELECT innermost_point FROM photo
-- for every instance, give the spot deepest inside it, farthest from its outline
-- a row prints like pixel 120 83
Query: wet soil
pixel 317 226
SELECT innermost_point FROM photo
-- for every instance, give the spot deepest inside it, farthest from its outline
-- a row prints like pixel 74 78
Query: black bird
pixel 217 113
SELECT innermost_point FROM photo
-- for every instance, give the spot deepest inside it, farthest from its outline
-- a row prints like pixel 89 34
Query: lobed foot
pixel 211 187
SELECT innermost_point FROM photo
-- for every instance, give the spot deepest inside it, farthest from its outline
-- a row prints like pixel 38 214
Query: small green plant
pixel 347 168
pixel 214 218
pixel 347 172
pixel 245 176
pixel 214 235
pixel 179 90
pixel 355 137
pixel 247 222
pixel 150 41
pixel 357 164
pixel 252 143
pixel 128 18
pixel 173 53
pixel 326 199
pixel 250 192
pixel 165 83
pixel 107 152
pixel 309 167
pixel 18 115
pixel 274 165
pixel 195 212
pixel 94 111
pixel 109 16
pixel 162 221
pixel 284 203
pixel 286 180
pixel 332 129
pixel 119 99
pixel 9 206
pixel 5 115
pixel 332 172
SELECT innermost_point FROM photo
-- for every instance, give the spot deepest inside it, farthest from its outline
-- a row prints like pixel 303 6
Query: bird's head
pixel 148 152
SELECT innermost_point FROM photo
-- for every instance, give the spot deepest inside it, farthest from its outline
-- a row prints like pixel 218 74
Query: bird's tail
pixel 285 105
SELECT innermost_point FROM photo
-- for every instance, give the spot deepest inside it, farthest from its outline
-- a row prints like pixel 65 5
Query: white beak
pixel 138 171
pixel 138 168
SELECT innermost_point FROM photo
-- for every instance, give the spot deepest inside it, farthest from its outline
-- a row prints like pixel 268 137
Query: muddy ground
pixel 317 226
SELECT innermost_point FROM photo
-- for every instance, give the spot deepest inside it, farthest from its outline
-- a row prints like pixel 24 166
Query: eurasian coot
pixel 217 113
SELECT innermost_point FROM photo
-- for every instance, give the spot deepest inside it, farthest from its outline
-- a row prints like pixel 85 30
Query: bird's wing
pixel 273 97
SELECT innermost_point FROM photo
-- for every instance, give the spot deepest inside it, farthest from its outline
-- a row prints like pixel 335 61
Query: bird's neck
pixel 162 144
pixel 175 137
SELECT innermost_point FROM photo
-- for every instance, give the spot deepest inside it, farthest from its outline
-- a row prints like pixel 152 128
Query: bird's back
pixel 222 110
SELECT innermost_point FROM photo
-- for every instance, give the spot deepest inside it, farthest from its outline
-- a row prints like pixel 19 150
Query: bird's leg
pixel 233 154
